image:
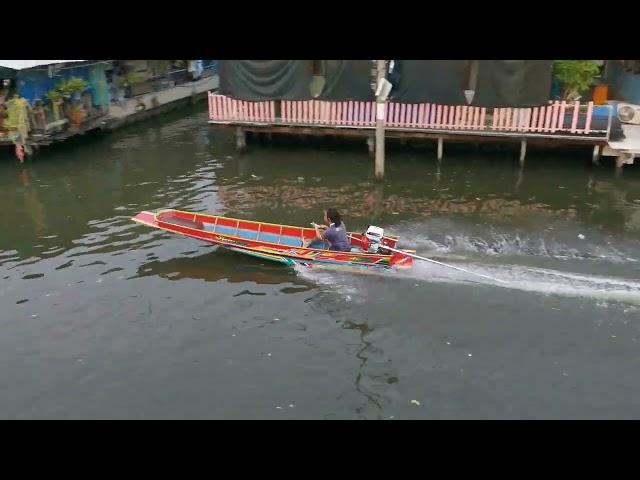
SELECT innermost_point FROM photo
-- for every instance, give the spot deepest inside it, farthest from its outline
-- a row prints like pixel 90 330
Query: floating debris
pixel 279 408
pixel 416 402
pixel 469 355
pixel 581 236
pixel 291 405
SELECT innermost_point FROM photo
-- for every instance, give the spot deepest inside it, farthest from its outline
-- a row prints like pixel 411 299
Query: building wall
pixel 34 84
pixel 625 86
pixel 156 99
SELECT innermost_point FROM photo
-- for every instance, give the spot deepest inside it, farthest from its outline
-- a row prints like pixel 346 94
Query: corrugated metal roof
pixel 22 64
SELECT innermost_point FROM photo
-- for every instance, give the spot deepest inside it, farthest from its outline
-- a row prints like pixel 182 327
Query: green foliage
pixel 54 95
pixel 66 88
pixel 74 84
pixel 159 67
pixel 575 76
pixel 131 78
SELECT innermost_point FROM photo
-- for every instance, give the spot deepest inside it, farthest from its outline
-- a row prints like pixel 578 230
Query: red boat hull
pixel 281 243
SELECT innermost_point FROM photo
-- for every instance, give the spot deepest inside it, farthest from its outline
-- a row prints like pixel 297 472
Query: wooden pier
pixel 559 123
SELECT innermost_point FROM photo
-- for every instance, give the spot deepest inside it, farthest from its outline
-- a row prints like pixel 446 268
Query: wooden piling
pixel 371 143
pixel 380 117
pixel 595 158
pixel 241 138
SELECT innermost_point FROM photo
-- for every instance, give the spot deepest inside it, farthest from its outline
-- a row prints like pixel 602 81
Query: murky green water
pixel 104 318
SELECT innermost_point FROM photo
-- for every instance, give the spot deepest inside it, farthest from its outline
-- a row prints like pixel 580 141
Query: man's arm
pixel 317 229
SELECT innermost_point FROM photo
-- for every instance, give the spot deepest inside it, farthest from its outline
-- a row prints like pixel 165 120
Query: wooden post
pixel 523 150
pixel 440 148
pixel 619 165
pixel 241 138
pixel 596 155
pixel 378 198
pixel 520 176
pixel 380 116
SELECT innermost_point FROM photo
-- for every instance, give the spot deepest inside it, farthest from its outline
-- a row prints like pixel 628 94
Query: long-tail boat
pixel 280 243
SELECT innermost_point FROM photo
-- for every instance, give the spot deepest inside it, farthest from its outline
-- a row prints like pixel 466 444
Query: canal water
pixel 105 318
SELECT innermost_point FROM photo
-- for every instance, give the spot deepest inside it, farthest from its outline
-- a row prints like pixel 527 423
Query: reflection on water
pixel 369 202
pixel 364 384
pixel 221 265
pixel 266 182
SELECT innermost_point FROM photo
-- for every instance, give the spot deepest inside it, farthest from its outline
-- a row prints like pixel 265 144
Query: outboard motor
pixel 374 236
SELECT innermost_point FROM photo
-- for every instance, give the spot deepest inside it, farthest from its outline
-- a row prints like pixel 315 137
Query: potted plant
pixel 134 83
pixel 575 76
pixel 76 114
pixel 56 99
pixel 73 87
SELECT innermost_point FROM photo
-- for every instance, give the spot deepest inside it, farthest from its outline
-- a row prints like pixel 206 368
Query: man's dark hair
pixel 334 216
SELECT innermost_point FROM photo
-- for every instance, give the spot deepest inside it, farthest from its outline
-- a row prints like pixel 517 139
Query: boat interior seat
pixel 268 237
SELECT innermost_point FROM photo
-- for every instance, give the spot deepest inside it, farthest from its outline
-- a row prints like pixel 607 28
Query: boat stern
pixel 398 260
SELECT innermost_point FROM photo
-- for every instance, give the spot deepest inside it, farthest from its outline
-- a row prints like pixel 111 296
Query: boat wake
pixel 535 280
pixel 527 279
pixel 556 244
pixel 544 281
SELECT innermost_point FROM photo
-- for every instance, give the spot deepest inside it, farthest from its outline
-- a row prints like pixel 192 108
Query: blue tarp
pixel 34 84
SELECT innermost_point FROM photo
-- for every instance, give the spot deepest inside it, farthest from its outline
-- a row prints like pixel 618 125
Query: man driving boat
pixel 333 232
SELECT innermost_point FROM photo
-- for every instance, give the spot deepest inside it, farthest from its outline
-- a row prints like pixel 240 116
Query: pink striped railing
pixel 555 117
pixel 226 109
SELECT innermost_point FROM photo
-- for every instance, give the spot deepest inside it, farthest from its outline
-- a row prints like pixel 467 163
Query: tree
pixel 575 76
